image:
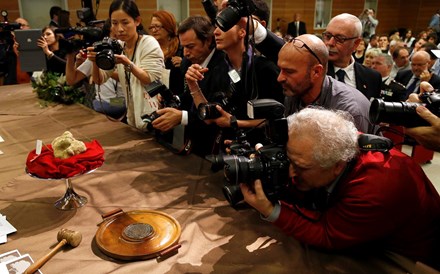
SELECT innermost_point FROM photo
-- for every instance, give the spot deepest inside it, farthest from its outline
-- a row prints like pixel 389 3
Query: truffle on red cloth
pixel 47 166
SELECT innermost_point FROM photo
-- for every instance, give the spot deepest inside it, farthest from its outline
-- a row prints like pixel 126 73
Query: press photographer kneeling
pixel 347 199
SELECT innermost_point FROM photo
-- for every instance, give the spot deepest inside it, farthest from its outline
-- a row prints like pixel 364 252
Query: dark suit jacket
pixel 291 29
pixel 368 81
pixel 404 76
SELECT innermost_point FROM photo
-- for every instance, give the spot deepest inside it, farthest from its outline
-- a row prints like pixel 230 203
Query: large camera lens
pixel 208 111
pixel 397 113
pixel 227 18
pixel 105 59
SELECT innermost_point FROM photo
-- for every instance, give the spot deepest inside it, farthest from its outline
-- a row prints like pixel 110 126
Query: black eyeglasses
pixel 300 44
pixel 338 38
pixel 155 27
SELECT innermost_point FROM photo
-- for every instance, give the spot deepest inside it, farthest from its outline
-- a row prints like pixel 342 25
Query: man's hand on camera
pixel 256 198
pixel 429 137
pixel 168 119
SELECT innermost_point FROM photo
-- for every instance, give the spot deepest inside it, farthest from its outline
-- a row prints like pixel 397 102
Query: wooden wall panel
pixel 414 14
pixel 12 8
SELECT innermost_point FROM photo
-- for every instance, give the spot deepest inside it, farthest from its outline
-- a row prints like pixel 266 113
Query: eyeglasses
pixel 338 38
pixel 155 27
pixel 300 44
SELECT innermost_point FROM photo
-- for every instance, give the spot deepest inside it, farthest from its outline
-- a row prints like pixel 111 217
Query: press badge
pixel 117 101
pixel 235 77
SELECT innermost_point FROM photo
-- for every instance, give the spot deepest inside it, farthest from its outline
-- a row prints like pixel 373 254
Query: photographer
pixel 140 63
pixel 250 77
pixel 345 199
pixel 55 55
pixel 369 23
pixel 109 97
pixel 428 136
pixel 196 35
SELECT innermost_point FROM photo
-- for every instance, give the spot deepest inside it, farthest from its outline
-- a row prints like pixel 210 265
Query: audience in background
pixel 374 42
pixel 163 27
pixel 409 38
pixel 296 27
pixel 369 23
pixel 384 43
pixel 54 16
pixel 369 56
pixel 419 72
pixel 400 61
pixel 359 54
pixel 383 64
pixel 342 36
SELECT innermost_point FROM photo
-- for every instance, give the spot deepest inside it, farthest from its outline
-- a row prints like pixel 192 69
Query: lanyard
pixel 128 74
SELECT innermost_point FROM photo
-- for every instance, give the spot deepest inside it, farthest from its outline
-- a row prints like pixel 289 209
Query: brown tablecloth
pixel 139 174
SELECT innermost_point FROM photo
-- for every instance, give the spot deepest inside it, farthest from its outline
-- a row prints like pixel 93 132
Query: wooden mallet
pixel 65 236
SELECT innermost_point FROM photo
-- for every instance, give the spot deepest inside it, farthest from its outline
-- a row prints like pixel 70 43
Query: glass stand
pixel 70 200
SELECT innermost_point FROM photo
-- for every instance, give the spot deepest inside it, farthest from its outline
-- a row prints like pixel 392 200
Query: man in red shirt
pixel 348 199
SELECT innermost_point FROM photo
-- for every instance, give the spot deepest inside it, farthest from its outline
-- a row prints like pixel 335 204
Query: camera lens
pixel 105 59
pixel 397 113
pixel 227 18
pixel 208 111
pixel 232 194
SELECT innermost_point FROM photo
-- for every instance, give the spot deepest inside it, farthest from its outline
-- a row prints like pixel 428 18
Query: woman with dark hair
pixel 163 27
pixel 140 63
pixel 55 56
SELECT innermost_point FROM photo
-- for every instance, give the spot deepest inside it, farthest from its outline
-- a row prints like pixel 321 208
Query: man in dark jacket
pixel 342 36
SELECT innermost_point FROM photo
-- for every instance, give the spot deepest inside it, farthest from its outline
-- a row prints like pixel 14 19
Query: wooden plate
pixel 138 235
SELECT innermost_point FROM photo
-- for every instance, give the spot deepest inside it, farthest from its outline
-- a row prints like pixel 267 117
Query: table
pixel 139 174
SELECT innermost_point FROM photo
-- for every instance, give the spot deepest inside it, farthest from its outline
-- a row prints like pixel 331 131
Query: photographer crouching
pixel 343 198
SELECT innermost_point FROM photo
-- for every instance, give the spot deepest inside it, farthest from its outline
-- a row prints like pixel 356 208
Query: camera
pixel 71 44
pixel 393 92
pixel 105 51
pixel 168 100
pixel 404 113
pixel 210 9
pixel 236 9
pixel 268 163
pixel 206 111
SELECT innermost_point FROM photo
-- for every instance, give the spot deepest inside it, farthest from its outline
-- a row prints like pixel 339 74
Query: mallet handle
pixel 35 266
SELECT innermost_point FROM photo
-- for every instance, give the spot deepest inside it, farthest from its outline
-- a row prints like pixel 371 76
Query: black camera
pixel 168 100
pixel 236 9
pixel 393 92
pixel 206 111
pixel 210 9
pixel 268 163
pixel 89 35
pixel 105 51
pixel 404 113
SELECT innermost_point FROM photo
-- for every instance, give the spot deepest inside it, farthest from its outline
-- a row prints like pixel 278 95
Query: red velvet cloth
pixel 47 166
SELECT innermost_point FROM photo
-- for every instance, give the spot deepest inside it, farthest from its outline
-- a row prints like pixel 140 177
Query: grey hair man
pixel 342 36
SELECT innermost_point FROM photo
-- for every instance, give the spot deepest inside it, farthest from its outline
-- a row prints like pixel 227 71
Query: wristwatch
pixel 129 67
pixel 233 122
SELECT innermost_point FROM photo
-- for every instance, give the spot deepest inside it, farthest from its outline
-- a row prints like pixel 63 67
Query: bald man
pixel 419 72
pixel 303 67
